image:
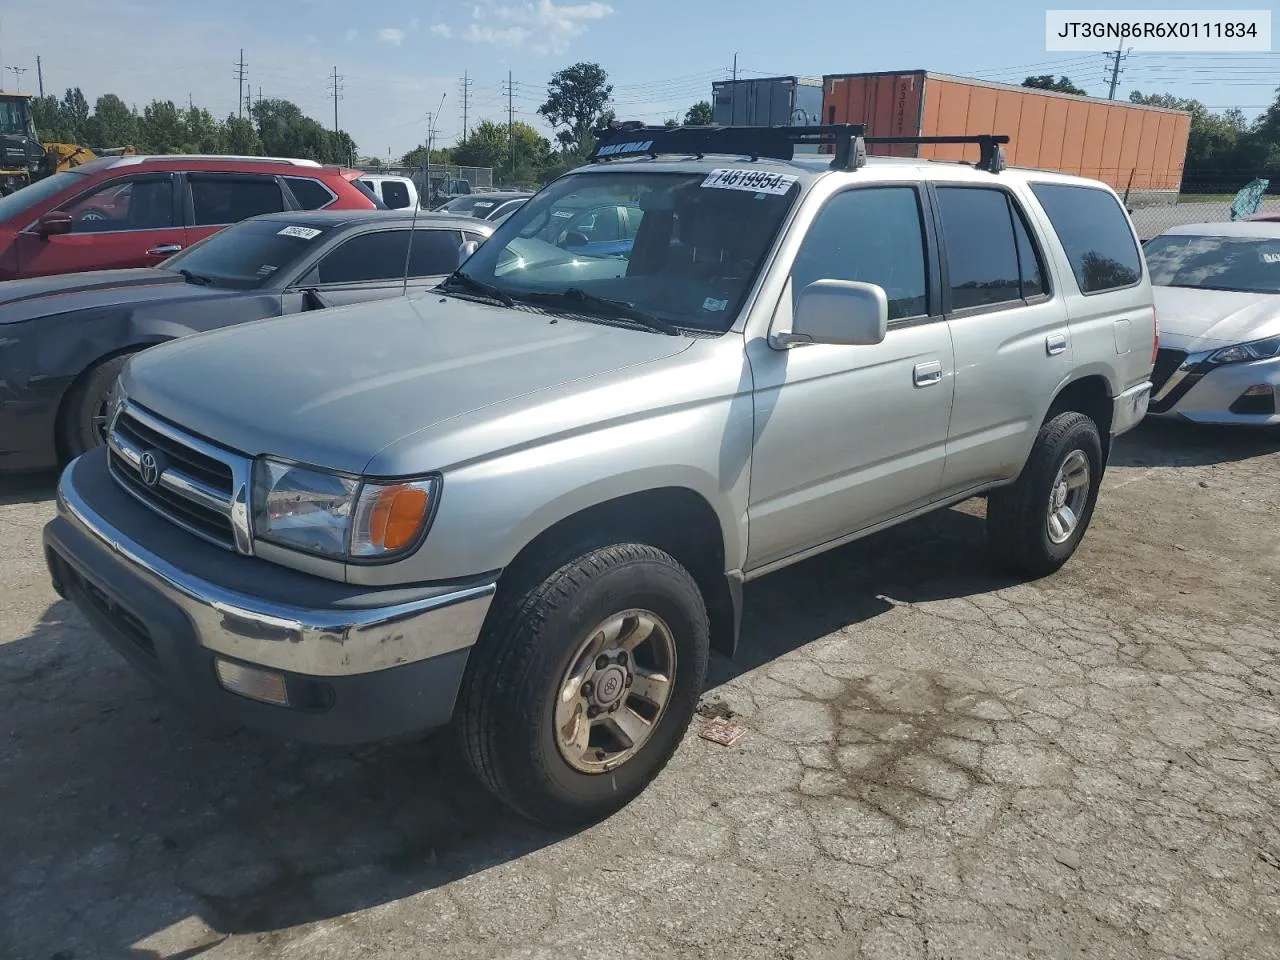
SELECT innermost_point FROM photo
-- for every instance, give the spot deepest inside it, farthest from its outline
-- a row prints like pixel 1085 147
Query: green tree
pixel 237 136
pixel 699 114
pixel 113 124
pixel 49 121
pixel 1046 82
pixel 203 135
pixel 440 155
pixel 488 145
pixel 74 110
pixel 161 128
pixel 577 98
pixel 670 122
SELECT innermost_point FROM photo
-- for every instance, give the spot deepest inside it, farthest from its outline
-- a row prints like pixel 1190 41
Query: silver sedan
pixel 1217 294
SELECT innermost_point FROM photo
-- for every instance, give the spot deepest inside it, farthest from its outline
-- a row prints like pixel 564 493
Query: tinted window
pixel 395 194
pixel 1030 266
pixel 247 255
pixel 1095 234
pixel 124 205
pixel 1245 264
pixel 310 194
pixel 380 256
pixel 220 199
pixel 23 200
pixel 871 235
pixel 982 257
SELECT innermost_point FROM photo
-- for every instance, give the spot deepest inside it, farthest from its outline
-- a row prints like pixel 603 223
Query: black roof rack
pixel 990 145
pixel 633 139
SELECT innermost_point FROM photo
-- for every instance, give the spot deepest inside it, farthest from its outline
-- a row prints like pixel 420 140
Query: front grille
pixel 192 483
pixel 1167 361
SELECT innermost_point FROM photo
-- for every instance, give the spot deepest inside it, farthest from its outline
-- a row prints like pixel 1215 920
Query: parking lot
pixel 940 762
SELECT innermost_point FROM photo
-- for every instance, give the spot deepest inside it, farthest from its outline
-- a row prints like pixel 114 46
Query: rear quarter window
pixel 1095 235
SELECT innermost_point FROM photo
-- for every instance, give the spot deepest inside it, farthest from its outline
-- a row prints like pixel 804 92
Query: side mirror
pixel 53 223
pixel 838 312
pixel 312 300
pixel 466 250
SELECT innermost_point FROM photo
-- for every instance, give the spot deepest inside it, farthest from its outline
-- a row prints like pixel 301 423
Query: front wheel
pixel 582 686
pixel 1035 525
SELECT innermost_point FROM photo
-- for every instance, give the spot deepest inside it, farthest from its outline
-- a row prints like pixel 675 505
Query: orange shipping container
pixel 1136 149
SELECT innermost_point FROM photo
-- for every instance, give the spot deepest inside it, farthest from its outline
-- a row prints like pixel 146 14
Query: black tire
pixel 1018 515
pixel 504 717
pixel 79 429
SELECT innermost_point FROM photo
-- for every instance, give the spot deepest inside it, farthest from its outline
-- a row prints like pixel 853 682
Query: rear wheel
pixel 583 684
pixel 84 418
pixel 1035 525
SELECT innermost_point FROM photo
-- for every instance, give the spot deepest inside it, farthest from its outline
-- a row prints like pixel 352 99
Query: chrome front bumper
pixel 368 663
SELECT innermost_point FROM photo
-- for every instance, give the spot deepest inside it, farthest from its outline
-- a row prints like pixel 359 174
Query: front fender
pixel 492 508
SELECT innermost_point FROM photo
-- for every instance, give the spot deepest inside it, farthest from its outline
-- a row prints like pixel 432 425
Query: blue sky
pixel 398 58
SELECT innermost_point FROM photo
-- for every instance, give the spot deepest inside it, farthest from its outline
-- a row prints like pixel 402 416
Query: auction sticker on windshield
pixel 302 233
pixel 753 181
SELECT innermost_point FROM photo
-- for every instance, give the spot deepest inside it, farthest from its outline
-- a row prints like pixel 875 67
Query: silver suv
pixel 527 502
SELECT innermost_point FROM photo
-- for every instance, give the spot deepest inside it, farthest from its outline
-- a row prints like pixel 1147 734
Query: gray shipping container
pixel 768 102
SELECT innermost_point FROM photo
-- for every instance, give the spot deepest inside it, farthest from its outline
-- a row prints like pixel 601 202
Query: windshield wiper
pixel 478 286
pixel 196 278
pixel 576 297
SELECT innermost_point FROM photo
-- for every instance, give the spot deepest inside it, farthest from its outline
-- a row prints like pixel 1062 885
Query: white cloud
pixel 351 34
pixel 545 26
pixel 442 30
pixel 415 23
pixel 391 35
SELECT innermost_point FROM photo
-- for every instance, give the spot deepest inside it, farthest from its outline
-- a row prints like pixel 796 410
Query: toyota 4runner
pixel 526 502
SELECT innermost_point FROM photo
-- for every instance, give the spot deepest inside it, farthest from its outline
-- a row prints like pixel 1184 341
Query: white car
pixel 398 193
pixel 1217 293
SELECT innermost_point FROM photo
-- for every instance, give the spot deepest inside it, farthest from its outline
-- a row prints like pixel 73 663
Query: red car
pixel 118 212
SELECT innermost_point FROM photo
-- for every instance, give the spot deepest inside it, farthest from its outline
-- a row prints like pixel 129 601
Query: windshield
pixel 23 200
pixel 475 205
pixel 680 247
pixel 1244 264
pixel 13 118
pixel 248 254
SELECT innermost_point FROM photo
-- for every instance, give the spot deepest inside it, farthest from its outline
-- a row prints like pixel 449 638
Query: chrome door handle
pixel 164 250
pixel 1055 343
pixel 927 374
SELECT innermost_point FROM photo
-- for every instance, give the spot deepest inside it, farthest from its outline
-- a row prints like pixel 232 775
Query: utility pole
pixel 17 76
pixel 40 77
pixel 466 98
pixel 191 104
pixel 733 92
pixel 1115 56
pixel 511 122
pixel 259 95
pixel 240 75
pixel 337 95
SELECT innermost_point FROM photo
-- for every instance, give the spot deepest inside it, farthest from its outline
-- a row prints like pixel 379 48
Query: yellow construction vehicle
pixel 24 158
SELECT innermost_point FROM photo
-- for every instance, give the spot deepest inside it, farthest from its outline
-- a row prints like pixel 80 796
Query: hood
pixel 45 296
pixel 335 387
pixel 1195 320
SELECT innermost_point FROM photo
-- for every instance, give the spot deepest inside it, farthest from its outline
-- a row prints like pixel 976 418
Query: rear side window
pixel 395 194
pixel 872 235
pixel 223 199
pixel 982 254
pixel 1095 234
pixel 310 194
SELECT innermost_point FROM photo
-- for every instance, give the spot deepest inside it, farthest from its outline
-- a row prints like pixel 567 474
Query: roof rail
pixel 990 158
pixel 139 158
pixel 633 139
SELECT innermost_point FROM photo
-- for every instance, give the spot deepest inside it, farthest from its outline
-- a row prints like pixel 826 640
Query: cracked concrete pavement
pixel 941 763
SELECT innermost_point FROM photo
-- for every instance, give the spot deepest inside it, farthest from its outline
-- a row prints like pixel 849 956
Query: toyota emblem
pixel 149 468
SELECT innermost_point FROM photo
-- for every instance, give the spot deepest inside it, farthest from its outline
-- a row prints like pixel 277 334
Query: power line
pixel 1116 56
pixel 240 75
pixel 511 121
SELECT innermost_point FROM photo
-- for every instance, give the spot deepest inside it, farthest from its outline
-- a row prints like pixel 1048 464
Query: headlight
pixel 1244 352
pixel 336 516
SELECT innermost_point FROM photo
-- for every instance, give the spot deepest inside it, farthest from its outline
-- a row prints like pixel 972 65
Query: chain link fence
pixel 480 178
pixel 1205 197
